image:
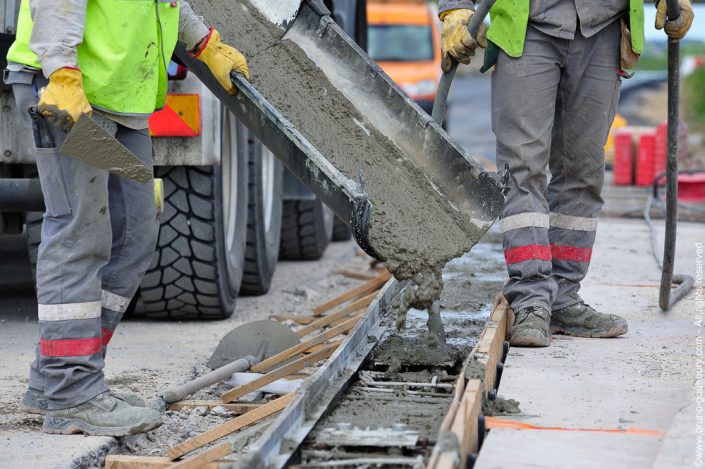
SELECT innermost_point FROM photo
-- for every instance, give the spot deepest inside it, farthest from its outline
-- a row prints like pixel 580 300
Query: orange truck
pixel 403 38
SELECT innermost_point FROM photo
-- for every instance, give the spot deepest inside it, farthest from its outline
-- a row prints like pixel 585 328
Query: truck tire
pixel 307 228
pixel 197 267
pixel 264 218
pixel 341 232
pixel 33 227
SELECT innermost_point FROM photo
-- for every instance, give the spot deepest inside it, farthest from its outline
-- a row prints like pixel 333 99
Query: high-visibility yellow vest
pixel 509 19
pixel 126 48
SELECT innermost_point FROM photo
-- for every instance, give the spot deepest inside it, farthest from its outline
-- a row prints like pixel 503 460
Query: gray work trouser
pixel 553 107
pixel 98 237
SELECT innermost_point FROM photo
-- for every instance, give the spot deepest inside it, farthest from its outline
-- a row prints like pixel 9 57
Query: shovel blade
pixel 89 142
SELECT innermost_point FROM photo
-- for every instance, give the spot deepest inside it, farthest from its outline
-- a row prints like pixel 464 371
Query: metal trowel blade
pixel 89 142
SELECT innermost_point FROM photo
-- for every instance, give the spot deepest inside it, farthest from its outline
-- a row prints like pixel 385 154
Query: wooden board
pixel 354 274
pixel 299 319
pixel 123 461
pixel 291 352
pixel 230 426
pixel 203 458
pixel 280 372
pixel 238 408
pixel 466 419
pixel 364 289
pixel 491 344
pixel 355 306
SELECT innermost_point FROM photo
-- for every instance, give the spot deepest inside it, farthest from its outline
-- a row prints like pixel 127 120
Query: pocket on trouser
pixel 51 176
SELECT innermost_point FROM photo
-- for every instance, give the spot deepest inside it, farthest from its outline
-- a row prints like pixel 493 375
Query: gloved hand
pixel 63 100
pixel 456 41
pixel 221 59
pixel 675 29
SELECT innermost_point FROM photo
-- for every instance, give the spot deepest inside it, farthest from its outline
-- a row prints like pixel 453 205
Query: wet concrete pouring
pixel 400 396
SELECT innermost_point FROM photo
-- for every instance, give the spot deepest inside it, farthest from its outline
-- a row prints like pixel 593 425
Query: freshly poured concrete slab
pixel 638 382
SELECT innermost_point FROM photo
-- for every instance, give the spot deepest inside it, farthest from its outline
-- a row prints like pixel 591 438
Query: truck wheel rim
pixel 267 165
pixel 229 175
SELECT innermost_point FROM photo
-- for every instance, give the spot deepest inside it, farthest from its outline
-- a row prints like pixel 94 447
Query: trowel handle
pixel 177 393
pixel 441 101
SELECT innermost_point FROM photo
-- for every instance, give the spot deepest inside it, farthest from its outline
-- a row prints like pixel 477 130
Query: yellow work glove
pixel 222 59
pixel 63 100
pixel 675 29
pixel 456 41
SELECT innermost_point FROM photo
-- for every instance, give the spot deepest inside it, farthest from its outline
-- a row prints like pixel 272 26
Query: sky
pixel 697 31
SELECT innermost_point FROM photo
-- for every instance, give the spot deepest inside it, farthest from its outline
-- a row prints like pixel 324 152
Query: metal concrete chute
pixel 273 104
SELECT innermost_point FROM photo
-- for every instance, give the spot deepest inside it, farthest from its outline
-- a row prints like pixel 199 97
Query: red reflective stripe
pixel 571 253
pixel 106 335
pixel 526 253
pixel 70 347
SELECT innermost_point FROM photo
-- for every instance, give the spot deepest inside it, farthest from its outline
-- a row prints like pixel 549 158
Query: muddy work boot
pixel 530 328
pixel 581 320
pixel 104 415
pixel 34 402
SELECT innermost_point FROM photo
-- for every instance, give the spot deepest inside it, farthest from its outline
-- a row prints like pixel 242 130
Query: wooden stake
pixel 364 289
pixel 280 372
pixel 230 426
pixel 199 460
pixel 303 346
pixel 363 302
pixel 238 408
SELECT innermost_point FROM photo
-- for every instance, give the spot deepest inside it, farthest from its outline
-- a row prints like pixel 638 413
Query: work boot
pixel 34 402
pixel 581 320
pixel 104 415
pixel 530 328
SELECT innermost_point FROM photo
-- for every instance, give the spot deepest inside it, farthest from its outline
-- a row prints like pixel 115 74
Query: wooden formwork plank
pixel 201 459
pixel 297 318
pixel 124 461
pixel 303 346
pixel 356 275
pixel 364 289
pixel 238 408
pixel 355 306
pixel 466 419
pixel 230 426
pixel 491 344
pixel 280 372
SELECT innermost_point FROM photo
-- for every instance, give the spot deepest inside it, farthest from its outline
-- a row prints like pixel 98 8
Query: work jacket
pixel 510 18
pixel 122 47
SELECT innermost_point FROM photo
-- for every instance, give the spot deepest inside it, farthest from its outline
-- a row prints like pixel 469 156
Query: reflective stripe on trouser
pixel 98 234
pixel 553 107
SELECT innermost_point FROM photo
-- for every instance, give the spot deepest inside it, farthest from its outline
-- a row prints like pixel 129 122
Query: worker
pixel 555 88
pixel 109 60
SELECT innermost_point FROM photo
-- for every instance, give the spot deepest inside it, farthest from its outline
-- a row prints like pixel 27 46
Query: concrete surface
pixel 173 348
pixel 591 387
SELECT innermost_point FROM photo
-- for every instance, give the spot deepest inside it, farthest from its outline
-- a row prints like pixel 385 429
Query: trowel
pixel 87 141
pixel 241 348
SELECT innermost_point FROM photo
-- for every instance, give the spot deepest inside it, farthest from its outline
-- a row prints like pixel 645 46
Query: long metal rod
pixel 667 296
pixel 441 101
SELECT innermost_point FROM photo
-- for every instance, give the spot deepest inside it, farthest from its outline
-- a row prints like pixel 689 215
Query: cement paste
pixel 413 227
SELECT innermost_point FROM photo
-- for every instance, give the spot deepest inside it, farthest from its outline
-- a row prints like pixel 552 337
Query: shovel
pixel 237 351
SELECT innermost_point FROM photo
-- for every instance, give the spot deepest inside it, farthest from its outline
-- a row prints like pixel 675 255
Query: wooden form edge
pixel 316 394
pixel 458 436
